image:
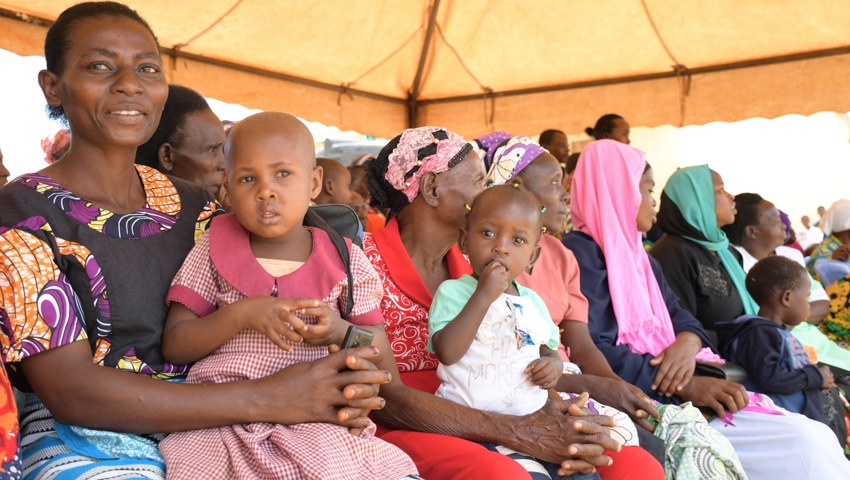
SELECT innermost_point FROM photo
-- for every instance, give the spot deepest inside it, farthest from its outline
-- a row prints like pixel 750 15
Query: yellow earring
pixel 468 207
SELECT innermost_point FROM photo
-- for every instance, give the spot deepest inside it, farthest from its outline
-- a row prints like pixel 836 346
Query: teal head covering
pixel 691 190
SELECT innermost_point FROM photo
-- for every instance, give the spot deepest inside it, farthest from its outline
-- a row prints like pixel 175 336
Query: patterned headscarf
pixel 421 150
pixel 509 158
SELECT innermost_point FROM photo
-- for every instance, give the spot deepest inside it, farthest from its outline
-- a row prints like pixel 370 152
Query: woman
pixel 187 142
pixel 84 280
pixel 425 177
pixel 637 322
pixel 610 126
pixel 703 269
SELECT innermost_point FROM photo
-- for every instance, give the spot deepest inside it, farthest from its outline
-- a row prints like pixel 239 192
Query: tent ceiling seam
pixel 413 93
pixel 829 52
pixel 385 60
pixel 489 109
pixel 683 77
pixel 212 25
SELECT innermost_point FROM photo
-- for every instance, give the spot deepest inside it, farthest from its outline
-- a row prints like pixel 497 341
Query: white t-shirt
pixel 809 236
pixel 490 376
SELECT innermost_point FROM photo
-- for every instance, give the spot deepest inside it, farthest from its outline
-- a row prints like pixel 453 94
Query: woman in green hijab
pixel 698 261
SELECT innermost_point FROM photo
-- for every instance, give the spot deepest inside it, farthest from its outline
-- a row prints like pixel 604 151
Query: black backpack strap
pixel 314 219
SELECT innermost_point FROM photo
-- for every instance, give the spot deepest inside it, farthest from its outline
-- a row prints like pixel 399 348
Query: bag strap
pixel 342 248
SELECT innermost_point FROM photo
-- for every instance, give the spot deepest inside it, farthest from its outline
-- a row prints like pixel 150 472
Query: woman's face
pixel 620 132
pixel 458 187
pixel 769 230
pixel 543 178
pixel 112 88
pixel 724 202
pixel 646 210
pixel 197 156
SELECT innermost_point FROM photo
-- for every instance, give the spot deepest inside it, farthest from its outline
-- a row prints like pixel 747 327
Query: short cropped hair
pixel 773 275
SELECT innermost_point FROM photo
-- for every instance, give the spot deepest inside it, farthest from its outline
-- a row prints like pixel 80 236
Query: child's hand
pixel 828 379
pixel 493 280
pixel 329 327
pixel 272 317
pixel 545 371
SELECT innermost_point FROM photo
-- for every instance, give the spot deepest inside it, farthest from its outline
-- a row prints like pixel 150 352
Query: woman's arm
pixel 78 392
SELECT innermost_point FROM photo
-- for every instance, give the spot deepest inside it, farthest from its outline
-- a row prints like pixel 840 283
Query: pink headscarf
pixel 605 202
pixel 421 150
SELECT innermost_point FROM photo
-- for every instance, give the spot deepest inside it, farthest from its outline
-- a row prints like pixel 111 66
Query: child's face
pixel 798 309
pixel 503 232
pixel 274 177
pixel 342 187
pixel 359 207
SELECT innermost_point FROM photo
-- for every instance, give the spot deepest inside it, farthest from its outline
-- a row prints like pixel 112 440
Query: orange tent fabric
pixel 377 66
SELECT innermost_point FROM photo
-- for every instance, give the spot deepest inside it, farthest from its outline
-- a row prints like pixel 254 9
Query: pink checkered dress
pixel 217 272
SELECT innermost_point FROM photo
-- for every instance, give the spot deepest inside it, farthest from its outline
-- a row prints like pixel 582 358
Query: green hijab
pixel 692 191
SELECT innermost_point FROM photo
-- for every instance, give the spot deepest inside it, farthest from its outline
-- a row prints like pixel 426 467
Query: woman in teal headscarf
pixel 698 261
pixel 701 267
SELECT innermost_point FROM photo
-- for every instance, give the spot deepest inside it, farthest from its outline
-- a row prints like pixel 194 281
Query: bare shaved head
pixel 280 131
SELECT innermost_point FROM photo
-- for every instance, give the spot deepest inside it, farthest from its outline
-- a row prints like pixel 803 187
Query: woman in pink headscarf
pixel 652 342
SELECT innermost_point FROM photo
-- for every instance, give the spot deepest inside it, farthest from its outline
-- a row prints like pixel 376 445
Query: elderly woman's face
pixel 113 88
pixel 459 186
pixel 543 178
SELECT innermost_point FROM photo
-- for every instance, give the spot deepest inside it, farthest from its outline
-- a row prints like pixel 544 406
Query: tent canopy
pixel 378 66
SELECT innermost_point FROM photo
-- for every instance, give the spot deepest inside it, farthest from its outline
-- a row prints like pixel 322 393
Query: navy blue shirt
pixel 602 322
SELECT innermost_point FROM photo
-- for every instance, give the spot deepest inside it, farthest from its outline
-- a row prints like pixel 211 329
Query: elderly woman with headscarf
pixel 636 319
pixel 424 178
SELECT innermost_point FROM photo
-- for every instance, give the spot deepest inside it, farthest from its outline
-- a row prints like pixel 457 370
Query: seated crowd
pixel 166 313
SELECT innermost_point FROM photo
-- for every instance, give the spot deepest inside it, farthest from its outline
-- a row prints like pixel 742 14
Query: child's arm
pixel 759 352
pixel 452 341
pixel 187 337
pixel 546 370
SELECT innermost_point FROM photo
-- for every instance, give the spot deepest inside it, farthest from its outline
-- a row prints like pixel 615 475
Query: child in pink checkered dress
pixel 259 293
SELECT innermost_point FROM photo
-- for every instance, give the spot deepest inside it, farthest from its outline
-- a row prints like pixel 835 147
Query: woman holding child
pixel 426 177
pixel 635 318
pixel 91 244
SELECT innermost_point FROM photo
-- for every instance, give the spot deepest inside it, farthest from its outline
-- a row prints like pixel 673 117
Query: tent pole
pixel 413 96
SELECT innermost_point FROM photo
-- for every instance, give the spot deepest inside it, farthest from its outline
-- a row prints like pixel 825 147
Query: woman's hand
pixel 341 388
pixel 545 371
pixel 623 396
pixel 562 432
pixel 328 329
pixel 717 394
pixel 676 364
